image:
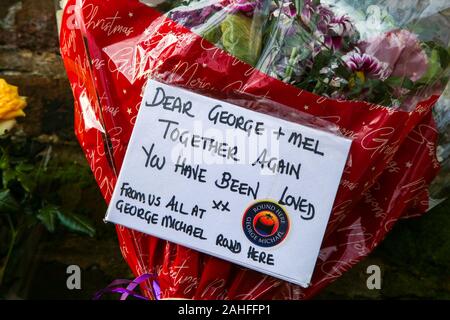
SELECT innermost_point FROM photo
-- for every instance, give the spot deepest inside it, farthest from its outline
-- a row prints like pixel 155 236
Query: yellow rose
pixel 11 104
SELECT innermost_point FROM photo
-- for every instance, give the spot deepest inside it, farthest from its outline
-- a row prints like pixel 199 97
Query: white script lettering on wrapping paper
pixel 109 25
pixel 243 186
pixel 379 141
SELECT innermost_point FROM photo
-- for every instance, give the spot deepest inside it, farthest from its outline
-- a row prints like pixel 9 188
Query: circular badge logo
pixel 265 223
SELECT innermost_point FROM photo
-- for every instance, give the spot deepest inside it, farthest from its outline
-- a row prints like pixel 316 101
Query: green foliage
pixel 8 204
pixel 30 197
pixel 241 37
pixel 213 35
pixel 47 216
pixel 75 222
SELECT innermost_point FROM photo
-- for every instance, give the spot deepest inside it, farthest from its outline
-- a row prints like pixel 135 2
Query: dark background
pixel 414 259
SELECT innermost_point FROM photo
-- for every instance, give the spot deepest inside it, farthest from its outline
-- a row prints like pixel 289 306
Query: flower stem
pixel 10 249
pixel 290 67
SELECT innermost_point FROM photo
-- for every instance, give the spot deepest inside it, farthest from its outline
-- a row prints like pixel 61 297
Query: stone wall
pixel 29 59
pixel 415 259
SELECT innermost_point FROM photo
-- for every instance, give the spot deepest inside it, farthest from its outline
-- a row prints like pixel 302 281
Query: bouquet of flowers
pixel 373 69
pixel 328 47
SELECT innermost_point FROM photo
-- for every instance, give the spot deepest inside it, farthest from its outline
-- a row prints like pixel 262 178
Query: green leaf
pixel 26 180
pixel 299 5
pixel 444 56
pixel 4 160
pixel 76 223
pixel 7 176
pixel 321 61
pixel 241 38
pixel 7 202
pixel 400 82
pixel 25 174
pixel 212 35
pixel 25 167
pixel 434 67
pixel 47 216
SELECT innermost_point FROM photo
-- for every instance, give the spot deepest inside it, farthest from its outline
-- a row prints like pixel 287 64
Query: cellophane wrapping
pixel 374 70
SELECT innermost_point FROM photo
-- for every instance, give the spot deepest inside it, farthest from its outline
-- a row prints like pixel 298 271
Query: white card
pixel 240 185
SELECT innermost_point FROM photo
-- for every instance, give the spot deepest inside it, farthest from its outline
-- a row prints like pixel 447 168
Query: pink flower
pixel 331 29
pixel 287 8
pixel 307 12
pixel 336 29
pixel 341 26
pixel 246 7
pixel 325 15
pixel 370 66
pixel 401 51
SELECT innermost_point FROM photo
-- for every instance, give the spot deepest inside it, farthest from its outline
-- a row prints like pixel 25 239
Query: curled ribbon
pixel 118 286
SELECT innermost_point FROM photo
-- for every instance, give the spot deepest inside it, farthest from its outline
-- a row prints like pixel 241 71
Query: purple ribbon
pixel 127 288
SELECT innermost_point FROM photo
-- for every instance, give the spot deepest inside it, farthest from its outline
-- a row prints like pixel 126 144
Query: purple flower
pixel 194 17
pixel 341 26
pixel 333 42
pixel 330 29
pixel 286 12
pixel 366 65
pixel 326 16
pixel 246 7
pixel 323 13
pixel 307 12
pixel 336 30
pixel 288 9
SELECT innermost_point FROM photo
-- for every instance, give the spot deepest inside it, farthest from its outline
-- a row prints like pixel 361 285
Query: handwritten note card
pixel 240 185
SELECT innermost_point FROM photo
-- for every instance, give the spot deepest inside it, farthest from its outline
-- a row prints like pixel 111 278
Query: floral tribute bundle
pixel 372 69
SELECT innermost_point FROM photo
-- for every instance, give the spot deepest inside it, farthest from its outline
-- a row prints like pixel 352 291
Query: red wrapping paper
pixel 111 47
